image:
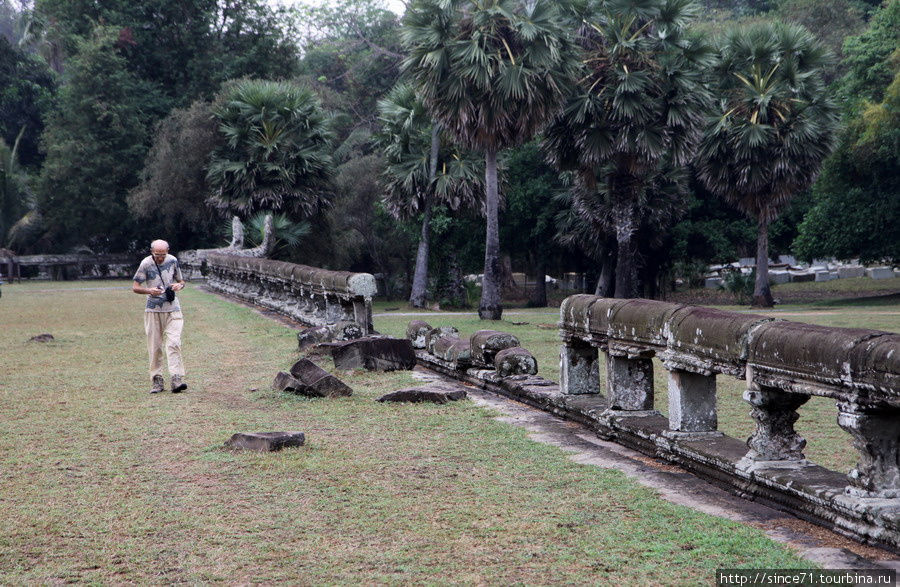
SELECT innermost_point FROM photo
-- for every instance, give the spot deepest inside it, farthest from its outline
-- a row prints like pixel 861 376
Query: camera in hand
pixel 170 294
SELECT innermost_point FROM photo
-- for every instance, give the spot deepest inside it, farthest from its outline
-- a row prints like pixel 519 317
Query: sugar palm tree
pixel 774 125
pixel 276 155
pixel 637 110
pixel 492 73
pixel 423 169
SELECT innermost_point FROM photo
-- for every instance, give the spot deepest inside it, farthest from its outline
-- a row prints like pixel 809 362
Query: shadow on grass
pixel 887 300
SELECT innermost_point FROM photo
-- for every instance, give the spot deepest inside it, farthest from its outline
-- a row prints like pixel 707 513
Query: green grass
pixel 103 483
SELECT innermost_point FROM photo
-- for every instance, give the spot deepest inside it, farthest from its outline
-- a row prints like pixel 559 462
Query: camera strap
pixel 158 270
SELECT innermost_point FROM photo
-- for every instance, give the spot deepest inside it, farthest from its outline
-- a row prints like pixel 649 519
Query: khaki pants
pixel 164 324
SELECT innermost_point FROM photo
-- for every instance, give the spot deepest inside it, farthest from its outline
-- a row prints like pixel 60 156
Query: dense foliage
pixel 572 124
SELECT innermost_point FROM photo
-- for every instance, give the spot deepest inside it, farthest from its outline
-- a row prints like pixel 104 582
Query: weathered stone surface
pixel 875 363
pixel 347 330
pixel 311 295
pixel 711 335
pixel 318 382
pixel 416 333
pixel 775 413
pixel 692 402
pixel 312 336
pixel 436 333
pixel 850 271
pixel 441 346
pixel 641 322
pixel 46 337
pixel 806 351
pixel 487 343
pixel 629 383
pixel 437 395
pixel 880 272
pixel 579 368
pixel 374 354
pixel 515 361
pixel 265 441
pixel 286 382
pixel 876 438
pixel 802 276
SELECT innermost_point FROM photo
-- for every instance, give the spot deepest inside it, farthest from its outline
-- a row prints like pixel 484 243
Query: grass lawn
pixel 102 482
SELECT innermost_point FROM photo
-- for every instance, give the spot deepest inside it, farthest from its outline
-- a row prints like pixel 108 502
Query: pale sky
pixel 394 5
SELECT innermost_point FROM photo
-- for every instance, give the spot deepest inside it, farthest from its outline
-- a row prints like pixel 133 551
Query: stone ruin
pixel 337 301
pixel 783 364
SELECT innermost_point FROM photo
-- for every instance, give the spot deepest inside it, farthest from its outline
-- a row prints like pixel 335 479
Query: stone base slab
pixel 810 492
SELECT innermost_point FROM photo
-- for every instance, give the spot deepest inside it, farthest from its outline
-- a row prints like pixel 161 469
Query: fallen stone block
pixel 313 336
pixel 801 276
pixel 416 333
pixel 880 272
pixel 317 382
pixel 712 282
pixel 265 441
pixel 779 277
pixel 414 395
pixel 515 361
pixel 487 343
pixel 285 382
pixel 849 272
pixel 374 354
pixel 436 333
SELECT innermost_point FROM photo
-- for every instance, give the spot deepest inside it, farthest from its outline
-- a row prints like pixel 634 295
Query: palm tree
pixel 276 155
pixel 492 73
pixel 774 126
pixel 636 111
pixel 420 172
pixel 15 195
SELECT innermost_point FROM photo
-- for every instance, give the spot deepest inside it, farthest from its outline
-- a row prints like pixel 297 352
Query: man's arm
pixel 137 288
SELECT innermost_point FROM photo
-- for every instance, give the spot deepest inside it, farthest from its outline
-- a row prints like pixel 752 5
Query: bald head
pixel 158 250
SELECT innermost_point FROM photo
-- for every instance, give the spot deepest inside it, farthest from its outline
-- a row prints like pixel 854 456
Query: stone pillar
pixel 629 383
pixel 692 403
pixel 579 369
pixel 775 412
pixel 876 437
pixel 362 314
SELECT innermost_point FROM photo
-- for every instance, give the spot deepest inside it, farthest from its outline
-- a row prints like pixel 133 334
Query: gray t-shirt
pixel 148 276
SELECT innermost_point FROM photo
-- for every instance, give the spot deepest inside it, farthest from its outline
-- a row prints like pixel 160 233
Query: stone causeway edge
pixel 783 363
pixel 821 501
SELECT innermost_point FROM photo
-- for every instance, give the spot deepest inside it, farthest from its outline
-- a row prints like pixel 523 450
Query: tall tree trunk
pixel 626 263
pixel 420 276
pixel 538 296
pixel 605 285
pixel 762 294
pixel 490 308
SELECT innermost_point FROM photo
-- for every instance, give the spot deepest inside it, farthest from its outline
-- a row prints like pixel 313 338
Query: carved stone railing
pixel 784 364
pixel 313 296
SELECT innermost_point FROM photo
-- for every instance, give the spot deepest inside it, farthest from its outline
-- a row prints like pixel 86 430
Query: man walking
pixel 159 277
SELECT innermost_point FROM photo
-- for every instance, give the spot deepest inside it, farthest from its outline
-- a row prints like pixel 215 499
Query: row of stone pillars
pixel 693 415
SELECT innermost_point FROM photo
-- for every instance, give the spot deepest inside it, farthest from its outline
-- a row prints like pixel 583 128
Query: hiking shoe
pixel 158 385
pixel 178 384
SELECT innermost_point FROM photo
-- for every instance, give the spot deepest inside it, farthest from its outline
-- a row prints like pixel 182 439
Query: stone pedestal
pixel 629 383
pixel 775 413
pixel 579 369
pixel 692 403
pixel 876 437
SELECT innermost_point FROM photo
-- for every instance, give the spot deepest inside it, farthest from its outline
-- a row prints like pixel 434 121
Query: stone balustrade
pixel 783 364
pixel 313 296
